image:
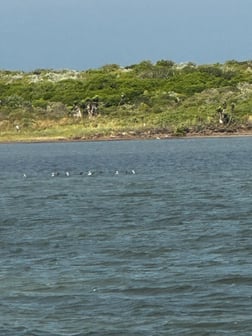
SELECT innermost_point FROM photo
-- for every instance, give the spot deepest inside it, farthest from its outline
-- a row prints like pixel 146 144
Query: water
pixel 164 251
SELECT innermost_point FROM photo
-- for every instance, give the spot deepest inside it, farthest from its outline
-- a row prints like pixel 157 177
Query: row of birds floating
pixel 88 173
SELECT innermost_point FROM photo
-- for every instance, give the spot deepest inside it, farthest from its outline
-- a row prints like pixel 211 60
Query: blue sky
pixel 83 34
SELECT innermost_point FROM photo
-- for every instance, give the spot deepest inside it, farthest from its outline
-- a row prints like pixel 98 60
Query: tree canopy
pixel 164 93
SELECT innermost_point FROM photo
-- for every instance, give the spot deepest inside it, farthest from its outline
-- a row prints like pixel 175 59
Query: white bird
pixel 67 173
pixel 90 173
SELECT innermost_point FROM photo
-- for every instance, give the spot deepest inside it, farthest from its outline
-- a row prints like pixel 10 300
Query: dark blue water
pixel 164 251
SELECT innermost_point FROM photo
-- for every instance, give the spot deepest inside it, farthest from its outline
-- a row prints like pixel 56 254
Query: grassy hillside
pixel 143 99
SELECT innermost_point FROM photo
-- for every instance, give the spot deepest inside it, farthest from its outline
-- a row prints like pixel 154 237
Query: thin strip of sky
pixel 81 34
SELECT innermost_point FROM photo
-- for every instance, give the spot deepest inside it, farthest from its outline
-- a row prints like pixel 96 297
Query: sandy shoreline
pixel 141 136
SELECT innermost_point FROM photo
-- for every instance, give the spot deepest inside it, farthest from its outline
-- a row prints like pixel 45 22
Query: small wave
pixel 234 280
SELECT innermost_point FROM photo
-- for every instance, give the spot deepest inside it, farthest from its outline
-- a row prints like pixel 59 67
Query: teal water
pixel 163 247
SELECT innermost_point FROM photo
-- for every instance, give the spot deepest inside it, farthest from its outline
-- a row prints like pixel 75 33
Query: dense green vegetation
pixel 162 98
